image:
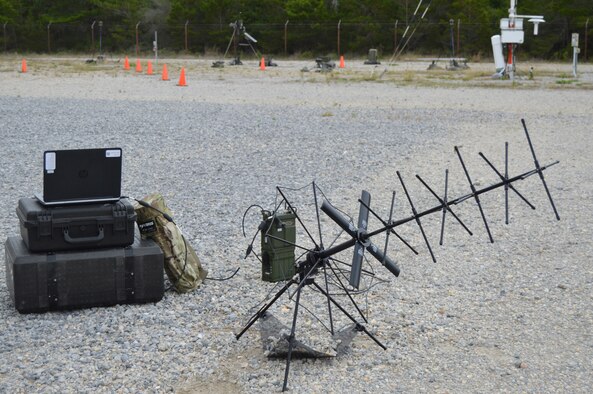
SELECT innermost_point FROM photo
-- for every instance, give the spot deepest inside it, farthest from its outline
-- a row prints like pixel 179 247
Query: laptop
pixel 81 176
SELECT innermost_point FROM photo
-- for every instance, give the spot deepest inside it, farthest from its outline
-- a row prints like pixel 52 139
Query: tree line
pixel 306 27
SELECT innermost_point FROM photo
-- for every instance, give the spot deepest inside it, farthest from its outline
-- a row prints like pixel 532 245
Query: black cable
pixel 245 214
pixel 227 278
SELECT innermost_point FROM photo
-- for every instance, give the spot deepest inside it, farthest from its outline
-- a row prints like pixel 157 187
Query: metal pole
pixel 4 29
pixel 186 22
pixel 137 46
pixel 451 23
pixel 286 38
pixel 575 53
pixel 101 39
pixel 48 41
pixel 586 37
pixel 395 36
pixel 339 23
pixel 93 38
pixel 155 47
pixel 458 41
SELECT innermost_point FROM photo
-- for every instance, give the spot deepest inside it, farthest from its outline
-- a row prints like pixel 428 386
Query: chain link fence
pixel 286 39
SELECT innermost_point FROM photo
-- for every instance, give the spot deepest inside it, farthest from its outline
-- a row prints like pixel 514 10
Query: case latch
pixel 120 217
pixel 44 222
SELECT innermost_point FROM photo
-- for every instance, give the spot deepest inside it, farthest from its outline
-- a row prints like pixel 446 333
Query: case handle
pixel 96 238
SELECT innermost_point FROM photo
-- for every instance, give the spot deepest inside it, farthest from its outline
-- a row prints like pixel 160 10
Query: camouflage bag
pixel 182 265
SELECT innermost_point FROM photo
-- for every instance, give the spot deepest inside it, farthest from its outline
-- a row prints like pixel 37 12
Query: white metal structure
pixel 512 34
pixel 575 53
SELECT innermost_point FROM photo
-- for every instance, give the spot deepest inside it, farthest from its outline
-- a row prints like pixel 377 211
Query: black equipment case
pixel 38 282
pixel 82 226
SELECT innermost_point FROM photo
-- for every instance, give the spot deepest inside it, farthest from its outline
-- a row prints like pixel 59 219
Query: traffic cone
pixel 138 66
pixel 23 66
pixel 149 68
pixel 342 61
pixel 182 78
pixel 262 64
pixel 165 73
pixel 126 64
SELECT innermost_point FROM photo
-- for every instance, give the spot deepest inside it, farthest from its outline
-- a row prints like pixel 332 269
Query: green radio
pixel 278 237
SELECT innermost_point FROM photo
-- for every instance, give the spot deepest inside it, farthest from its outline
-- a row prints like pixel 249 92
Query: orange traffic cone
pixel 126 64
pixel 182 78
pixel 138 66
pixel 165 73
pixel 23 66
pixel 149 68
pixel 262 64
pixel 342 61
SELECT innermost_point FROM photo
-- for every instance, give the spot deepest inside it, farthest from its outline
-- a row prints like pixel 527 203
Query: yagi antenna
pixel 321 259
pixel 361 236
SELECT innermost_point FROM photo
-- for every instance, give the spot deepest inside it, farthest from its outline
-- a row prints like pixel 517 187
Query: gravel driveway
pixel 513 316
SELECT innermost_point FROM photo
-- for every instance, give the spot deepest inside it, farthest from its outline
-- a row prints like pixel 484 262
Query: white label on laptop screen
pixel 113 153
pixel 50 162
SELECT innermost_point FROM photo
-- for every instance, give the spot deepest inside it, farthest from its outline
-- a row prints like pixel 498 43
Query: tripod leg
pixel 263 310
pixel 348 294
pixel 344 311
pixel 329 305
pixel 291 338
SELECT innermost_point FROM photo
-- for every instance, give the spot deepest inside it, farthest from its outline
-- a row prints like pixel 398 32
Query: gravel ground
pixel 513 316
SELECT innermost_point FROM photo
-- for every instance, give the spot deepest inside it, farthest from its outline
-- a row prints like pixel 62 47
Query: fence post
pixel 286 38
pixel 137 24
pixel 4 29
pixel 458 41
pixel 395 36
pixel 339 23
pixel 185 29
pixel 48 41
pixel 93 38
pixel 586 37
pixel 101 39
pixel 451 23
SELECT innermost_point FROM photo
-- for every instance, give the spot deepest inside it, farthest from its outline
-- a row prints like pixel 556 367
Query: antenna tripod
pixel 306 270
pixel 238 30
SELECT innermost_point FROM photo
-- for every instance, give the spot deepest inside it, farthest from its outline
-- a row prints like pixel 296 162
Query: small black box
pixel 82 226
pixel 38 282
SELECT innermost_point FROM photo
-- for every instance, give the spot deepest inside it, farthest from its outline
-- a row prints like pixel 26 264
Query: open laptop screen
pixel 81 175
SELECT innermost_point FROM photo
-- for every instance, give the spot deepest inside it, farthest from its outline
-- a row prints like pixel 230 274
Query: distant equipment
pixel 325 64
pixel 319 268
pixel 511 35
pixel 575 53
pixel 240 38
pixel 372 57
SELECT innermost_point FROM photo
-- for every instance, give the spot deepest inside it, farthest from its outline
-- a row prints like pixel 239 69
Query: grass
pixel 547 76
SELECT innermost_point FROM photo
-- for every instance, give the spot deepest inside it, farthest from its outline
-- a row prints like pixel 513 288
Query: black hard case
pixel 38 282
pixel 82 226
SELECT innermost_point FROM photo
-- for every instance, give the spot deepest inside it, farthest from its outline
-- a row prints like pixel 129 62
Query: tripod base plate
pixel 275 336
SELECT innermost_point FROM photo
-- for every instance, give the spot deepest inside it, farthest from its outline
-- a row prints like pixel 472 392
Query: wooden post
pixel 286 38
